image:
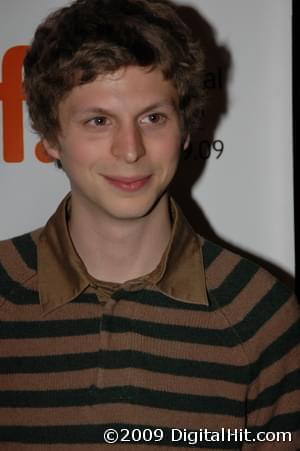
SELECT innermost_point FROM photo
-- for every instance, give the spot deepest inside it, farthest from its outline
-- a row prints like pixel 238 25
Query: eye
pixel 154 118
pixel 99 121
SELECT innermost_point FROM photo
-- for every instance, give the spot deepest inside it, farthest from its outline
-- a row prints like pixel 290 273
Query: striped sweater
pixel 162 372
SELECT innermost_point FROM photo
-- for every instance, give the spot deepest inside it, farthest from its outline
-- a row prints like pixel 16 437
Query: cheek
pixel 166 144
pixel 77 151
pixel 169 150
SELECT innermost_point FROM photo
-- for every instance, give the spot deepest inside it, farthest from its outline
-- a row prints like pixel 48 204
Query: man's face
pixel 120 141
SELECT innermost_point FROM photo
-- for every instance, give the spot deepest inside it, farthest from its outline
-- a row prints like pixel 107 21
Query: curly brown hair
pixel 90 37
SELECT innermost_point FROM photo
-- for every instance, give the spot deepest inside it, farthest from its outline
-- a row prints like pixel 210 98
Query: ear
pixel 186 141
pixel 52 149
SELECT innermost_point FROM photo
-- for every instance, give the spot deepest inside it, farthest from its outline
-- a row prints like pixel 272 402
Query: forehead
pixel 127 87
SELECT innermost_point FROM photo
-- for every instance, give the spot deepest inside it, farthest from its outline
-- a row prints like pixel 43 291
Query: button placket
pixel 104 339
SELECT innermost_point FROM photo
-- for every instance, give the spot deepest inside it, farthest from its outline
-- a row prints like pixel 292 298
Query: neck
pixel 117 250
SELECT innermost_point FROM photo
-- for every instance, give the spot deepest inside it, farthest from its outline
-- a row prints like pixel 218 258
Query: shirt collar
pixel 62 274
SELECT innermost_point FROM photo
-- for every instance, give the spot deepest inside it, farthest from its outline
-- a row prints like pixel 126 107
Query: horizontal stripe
pixel 114 413
pixel 289 422
pixel 157 299
pixel 69 380
pixel 228 337
pixel 125 359
pixel 39 329
pixel 43 347
pixel 48 381
pixel 288 384
pixel 48 364
pixel 177 367
pixel 20 295
pixel 185 334
pixel 125 395
pixel 25 314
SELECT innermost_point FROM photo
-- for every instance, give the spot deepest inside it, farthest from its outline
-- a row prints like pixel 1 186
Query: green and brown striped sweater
pixel 143 360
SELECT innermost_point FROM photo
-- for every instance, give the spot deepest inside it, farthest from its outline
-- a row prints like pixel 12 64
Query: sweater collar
pixel 63 276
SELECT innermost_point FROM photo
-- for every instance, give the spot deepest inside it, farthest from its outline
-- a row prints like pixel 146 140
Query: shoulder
pixel 18 261
pixel 232 274
pixel 241 287
pixel 257 307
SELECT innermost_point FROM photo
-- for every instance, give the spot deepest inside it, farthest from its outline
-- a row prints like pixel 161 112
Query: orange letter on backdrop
pixel 12 96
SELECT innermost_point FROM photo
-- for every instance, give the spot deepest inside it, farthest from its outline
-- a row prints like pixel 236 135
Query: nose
pixel 128 143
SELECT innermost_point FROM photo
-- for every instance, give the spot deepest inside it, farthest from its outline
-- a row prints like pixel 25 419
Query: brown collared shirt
pixel 60 265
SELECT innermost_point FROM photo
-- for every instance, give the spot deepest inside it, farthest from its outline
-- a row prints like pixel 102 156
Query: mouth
pixel 128 184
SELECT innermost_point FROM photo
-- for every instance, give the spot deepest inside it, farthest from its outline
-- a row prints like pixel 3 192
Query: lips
pixel 128 184
pixel 127 179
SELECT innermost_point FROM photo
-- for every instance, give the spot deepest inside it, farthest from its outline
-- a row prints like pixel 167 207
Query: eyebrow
pixel 100 110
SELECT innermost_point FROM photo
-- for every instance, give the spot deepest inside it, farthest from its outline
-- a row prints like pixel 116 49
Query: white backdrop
pixel 246 194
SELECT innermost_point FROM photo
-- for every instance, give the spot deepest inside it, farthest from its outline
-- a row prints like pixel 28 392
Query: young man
pixel 119 324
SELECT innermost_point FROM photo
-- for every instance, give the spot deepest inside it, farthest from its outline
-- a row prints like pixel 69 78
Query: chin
pixel 130 213
pixel 132 208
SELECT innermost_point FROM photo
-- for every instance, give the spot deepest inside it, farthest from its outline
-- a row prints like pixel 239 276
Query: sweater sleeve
pixel 273 404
